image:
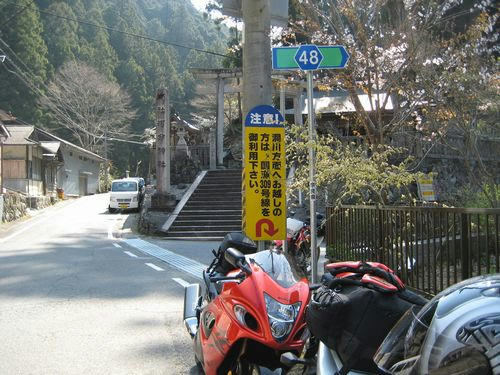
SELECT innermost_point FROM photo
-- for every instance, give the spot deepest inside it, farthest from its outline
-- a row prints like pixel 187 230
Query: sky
pixel 199 4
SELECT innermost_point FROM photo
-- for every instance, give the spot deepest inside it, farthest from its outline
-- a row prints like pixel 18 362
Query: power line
pixel 120 32
pixel 32 78
pixel 29 82
pixel 132 34
pixel 146 37
pixel 126 141
pixel 17 13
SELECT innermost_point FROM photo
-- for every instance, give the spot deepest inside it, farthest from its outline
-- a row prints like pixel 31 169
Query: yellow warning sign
pixel 264 175
pixel 426 189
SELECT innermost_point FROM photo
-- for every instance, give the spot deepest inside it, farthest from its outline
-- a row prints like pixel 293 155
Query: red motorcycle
pixel 299 243
pixel 251 311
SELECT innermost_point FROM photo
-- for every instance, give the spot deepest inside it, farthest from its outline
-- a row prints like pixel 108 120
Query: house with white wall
pixel 79 173
pixel 37 162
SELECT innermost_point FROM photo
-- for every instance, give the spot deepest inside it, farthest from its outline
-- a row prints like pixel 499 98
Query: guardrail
pixel 429 247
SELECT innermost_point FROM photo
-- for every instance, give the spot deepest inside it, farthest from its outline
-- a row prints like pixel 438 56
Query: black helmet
pixel 457 332
pixel 238 241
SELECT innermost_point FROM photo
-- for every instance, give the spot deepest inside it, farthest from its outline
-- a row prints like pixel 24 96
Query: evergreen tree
pixel 61 35
pixel 21 41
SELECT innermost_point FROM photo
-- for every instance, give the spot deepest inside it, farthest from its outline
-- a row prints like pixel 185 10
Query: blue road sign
pixel 308 57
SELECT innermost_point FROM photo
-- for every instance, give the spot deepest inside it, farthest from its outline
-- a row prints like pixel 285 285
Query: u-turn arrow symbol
pixel 270 230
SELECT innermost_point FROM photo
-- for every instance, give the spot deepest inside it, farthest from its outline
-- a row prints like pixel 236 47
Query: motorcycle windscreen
pixel 276 266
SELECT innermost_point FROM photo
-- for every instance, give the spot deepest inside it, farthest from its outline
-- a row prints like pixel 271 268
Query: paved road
pixel 75 300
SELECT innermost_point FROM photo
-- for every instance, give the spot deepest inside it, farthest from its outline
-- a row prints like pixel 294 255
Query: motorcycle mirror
pixel 289 359
pixel 314 286
pixel 233 256
pixel 237 260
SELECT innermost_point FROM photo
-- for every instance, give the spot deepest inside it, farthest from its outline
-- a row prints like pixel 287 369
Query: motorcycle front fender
pixel 191 298
pixel 329 362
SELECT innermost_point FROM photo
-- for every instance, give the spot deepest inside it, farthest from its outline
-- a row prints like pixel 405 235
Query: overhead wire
pixel 121 32
pixel 140 36
pixel 29 82
pixel 37 91
pixel 30 3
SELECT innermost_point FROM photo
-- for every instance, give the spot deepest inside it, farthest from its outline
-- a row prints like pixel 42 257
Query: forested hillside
pixel 39 36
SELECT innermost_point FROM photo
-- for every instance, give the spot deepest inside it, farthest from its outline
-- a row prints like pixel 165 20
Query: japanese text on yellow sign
pixel 264 175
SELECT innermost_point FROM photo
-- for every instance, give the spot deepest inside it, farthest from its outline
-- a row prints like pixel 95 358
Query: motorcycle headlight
pixel 281 317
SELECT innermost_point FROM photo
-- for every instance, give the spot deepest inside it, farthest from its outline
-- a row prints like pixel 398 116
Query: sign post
pixel 264 179
pixel 308 58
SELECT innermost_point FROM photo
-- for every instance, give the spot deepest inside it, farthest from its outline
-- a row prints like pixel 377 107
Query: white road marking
pixel 187 265
pixel 181 282
pixel 110 231
pixel 154 266
pixel 130 254
pixel 116 245
pixel 111 226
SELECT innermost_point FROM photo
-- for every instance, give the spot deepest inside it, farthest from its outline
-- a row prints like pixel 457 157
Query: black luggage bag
pixel 352 313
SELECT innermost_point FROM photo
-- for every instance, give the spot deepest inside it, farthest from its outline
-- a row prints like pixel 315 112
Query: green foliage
pixel 43 40
pixel 25 49
pixel 349 173
pixel 487 197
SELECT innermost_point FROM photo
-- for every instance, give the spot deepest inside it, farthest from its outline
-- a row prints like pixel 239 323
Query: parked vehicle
pixel 251 311
pixel 299 242
pixel 142 188
pixel 125 194
pixel 350 314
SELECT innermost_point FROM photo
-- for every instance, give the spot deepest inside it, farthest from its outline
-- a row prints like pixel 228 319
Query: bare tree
pixel 83 101
pixel 399 50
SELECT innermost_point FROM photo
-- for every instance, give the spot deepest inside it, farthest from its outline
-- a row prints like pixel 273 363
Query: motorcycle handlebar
pixel 227 278
pixel 243 265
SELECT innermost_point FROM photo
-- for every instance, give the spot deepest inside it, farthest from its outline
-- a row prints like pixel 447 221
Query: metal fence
pixel 430 248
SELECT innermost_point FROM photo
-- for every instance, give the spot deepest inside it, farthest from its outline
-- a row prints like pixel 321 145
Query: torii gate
pixel 222 76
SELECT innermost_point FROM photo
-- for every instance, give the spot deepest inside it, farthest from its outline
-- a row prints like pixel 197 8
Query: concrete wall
pixel 77 163
pixel 24 186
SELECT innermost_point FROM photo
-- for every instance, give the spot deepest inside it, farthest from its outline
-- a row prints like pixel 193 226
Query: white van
pixel 125 194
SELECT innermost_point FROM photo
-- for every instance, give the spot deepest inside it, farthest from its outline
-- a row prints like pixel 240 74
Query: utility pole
pixel 257 85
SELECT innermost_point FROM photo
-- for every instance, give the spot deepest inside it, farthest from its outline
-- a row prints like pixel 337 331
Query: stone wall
pixel 14 206
pixel 38 203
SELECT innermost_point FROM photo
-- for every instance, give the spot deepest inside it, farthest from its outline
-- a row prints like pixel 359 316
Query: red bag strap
pixel 374 273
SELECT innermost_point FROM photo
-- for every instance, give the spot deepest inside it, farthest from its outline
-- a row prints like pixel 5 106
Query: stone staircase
pixel 213 209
